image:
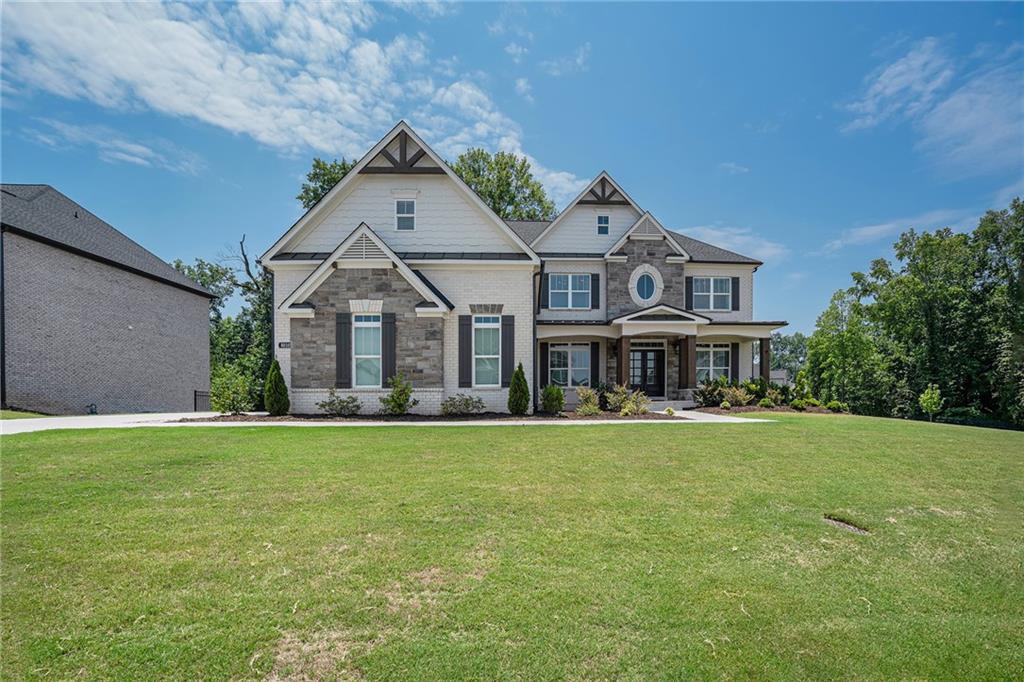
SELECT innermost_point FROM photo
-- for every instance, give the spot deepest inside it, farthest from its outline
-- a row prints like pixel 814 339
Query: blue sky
pixel 806 135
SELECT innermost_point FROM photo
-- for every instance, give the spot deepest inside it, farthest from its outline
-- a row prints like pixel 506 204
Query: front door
pixel 647 371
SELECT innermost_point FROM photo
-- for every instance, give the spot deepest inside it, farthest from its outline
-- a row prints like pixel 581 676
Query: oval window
pixel 645 287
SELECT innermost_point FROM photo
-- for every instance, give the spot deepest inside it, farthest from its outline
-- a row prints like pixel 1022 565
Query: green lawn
pixel 18 414
pixel 600 552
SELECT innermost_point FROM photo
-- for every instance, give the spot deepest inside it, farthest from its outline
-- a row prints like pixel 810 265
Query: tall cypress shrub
pixel 275 393
pixel 518 392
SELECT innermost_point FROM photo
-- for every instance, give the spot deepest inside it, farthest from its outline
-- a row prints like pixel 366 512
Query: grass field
pixel 18 414
pixel 602 552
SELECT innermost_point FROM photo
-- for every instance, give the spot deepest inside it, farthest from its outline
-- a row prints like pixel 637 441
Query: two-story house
pixel 401 267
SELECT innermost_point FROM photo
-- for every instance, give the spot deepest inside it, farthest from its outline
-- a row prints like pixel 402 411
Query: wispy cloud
pixel 516 51
pixel 295 77
pixel 763 127
pixel 574 63
pixel 732 168
pixel 967 113
pixel 742 240
pixel 114 147
pixel 524 89
pixel 869 234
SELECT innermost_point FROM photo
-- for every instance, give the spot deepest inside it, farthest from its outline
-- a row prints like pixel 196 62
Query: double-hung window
pixel 712 293
pixel 366 357
pixel 487 350
pixel 602 224
pixel 568 291
pixel 569 365
pixel 405 214
pixel 712 361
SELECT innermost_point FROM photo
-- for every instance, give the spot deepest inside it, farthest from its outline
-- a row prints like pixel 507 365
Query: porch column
pixel 766 359
pixel 622 368
pixel 691 361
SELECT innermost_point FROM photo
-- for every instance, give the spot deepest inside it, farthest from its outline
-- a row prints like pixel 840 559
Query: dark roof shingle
pixel 43 212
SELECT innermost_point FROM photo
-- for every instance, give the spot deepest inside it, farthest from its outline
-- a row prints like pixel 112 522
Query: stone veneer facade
pixel 419 340
pixel 639 252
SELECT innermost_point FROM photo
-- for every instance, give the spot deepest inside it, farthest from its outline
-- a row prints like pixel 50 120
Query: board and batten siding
pixel 445 219
pixel 577 232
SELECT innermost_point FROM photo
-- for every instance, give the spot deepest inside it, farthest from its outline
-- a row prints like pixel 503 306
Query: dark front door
pixel 647 372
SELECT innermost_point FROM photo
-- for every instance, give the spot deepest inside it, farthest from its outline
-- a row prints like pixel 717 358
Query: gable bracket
pixel 404 163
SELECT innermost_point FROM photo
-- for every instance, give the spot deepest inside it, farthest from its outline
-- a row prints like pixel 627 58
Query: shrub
pixel 836 406
pixel 588 409
pixel 552 399
pixel 348 406
pixel 670 412
pixel 518 392
pixel 736 395
pixel 725 405
pixel 766 402
pixel 399 399
pixel 709 393
pixel 931 401
pixel 587 396
pixel 615 397
pixel 275 393
pixel 636 404
pixel 461 403
pixel 230 391
pixel 757 388
pixel 799 404
pixel 776 396
pixel 602 390
pixel 812 402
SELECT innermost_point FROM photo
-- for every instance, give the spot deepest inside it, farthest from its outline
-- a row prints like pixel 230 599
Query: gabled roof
pixel 364 243
pixel 661 308
pixel 528 230
pixel 404 132
pixel 601 186
pixel 42 213
pixel 651 225
pixel 702 252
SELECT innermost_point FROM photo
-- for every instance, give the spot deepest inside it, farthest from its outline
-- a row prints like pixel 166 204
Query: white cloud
pixel 564 66
pixel 741 240
pixel 1007 194
pixel 295 77
pixel 524 89
pixel 868 234
pixel 114 147
pixel 732 168
pixel 516 51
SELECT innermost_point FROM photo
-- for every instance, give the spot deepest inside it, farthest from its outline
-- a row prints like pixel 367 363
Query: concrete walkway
pixel 125 421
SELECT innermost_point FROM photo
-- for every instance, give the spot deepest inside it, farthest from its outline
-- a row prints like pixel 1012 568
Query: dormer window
pixel 405 214
pixel 602 224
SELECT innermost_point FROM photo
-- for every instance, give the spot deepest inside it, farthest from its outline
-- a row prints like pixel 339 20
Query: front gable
pixel 647 228
pixel 575 228
pixel 449 216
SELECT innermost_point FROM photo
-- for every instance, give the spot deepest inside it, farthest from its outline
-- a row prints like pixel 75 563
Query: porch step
pixel 661 405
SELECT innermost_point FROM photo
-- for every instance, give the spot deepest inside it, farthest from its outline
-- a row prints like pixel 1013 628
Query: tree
pixel 505 182
pixel 321 178
pixel 275 392
pixel 789 352
pixel 518 392
pixel 213 276
pixel 931 401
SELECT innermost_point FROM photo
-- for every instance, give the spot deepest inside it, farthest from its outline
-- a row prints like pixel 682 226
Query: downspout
pixel 536 312
pixel 3 322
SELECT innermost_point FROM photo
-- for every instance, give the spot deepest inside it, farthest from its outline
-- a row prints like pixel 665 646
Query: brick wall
pixel 78 332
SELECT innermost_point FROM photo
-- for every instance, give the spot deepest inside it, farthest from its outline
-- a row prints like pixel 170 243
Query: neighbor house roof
pixel 40 212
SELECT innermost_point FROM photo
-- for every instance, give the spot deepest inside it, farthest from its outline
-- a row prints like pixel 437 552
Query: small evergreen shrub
pixel 799 404
pixel 602 390
pixel 588 403
pixel 348 406
pixel 518 392
pixel 552 399
pixel 812 402
pixel 670 412
pixel 836 406
pixel 725 405
pixel 736 395
pixel 588 409
pixel 615 396
pixel 776 396
pixel 709 393
pixel 399 399
pixel 766 402
pixel 230 391
pixel 275 392
pixel 461 403
pixel 636 404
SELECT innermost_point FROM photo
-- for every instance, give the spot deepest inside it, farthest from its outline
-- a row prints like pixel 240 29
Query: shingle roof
pixel 529 230
pixel 43 212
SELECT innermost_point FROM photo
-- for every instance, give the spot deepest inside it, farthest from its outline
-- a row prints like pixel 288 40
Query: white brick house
pixel 401 267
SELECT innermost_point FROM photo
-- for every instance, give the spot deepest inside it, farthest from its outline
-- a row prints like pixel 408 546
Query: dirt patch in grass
pixel 489 416
pixel 845 524
pixel 322 655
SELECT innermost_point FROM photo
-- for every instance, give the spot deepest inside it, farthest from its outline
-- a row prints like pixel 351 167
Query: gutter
pixel 3 323
pixel 533 341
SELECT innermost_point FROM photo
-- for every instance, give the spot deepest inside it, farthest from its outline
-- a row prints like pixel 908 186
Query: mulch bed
pixel 492 416
pixel 755 408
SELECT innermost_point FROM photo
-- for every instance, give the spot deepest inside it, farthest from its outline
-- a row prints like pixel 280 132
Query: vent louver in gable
pixel 648 229
pixel 363 248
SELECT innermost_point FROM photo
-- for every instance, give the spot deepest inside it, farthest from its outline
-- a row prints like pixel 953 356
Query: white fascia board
pixel 658 309
pixel 305 312
pixel 565 331
pixel 752 331
pixel 653 327
pixel 664 235
pixel 602 175
pixel 473 264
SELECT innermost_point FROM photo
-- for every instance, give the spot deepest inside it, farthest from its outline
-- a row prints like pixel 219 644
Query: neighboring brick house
pixel 401 267
pixel 90 320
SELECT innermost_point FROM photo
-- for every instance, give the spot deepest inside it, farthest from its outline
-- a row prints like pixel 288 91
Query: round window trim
pixel 634 279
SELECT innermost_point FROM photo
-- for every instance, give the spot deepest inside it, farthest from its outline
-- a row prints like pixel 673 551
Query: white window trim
pixel 608 226
pixel 711 294
pixel 486 325
pixel 659 285
pixel 710 349
pixel 405 215
pixel 569 348
pixel 364 324
pixel 569 292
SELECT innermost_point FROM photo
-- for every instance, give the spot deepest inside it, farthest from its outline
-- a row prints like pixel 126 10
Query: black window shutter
pixel 595 362
pixel 343 350
pixel 508 348
pixel 543 380
pixel 734 365
pixel 689 293
pixel 544 290
pixel 595 291
pixel 387 348
pixel 465 351
pixel 735 293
